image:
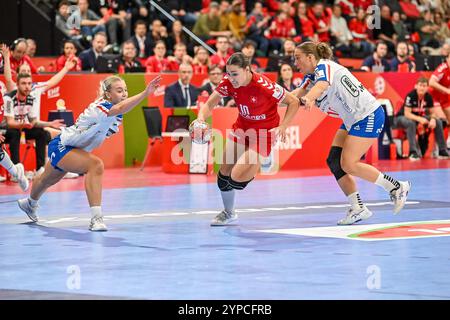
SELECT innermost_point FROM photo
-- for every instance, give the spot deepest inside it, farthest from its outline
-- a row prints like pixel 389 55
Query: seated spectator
pixel 377 61
pixel 118 17
pixel 89 57
pixel 181 93
pixel 69 52
pixel 61 20
pixel 158 62
pixel 141 41
pixel 201 61
pixel 427 30
pixel 400 28
pixel 409 9
pixel 340 32
pixel 90 21
pixel 418 111
pixel 207 25
pixel 359 30
pixel 321 19
pixel 386 32
pixel 443 33
pixel 304 27
pixel 215 74
pixel 285 76
pixel 223 52
pixel 179 56
pixel 257 22
pixel 19 57
pixel 178 36
pixel 236 22
pixel 128 60
pixel 31 48
pixel 224 14
pixel 180 10
pixel 281 28
pixel 158 32
pixel 249 49
pixel 401 61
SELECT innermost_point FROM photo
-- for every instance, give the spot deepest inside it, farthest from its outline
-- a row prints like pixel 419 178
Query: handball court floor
pixel 285 245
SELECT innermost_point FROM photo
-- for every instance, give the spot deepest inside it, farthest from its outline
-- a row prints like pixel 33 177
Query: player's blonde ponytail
pixel 324 51
pixel 105 85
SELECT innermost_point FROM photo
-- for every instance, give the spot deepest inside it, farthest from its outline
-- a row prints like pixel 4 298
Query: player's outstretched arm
pixel 206 110
pixel 434 83
pixel 309 100
pixel 128 104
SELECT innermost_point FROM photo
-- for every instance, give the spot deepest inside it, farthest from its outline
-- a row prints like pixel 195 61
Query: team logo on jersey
pixel 253 99
pixel 319 73
pixel 350 86
pixel 277 92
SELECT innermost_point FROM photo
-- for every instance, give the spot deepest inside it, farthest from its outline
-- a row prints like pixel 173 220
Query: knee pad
pixel 223 182
pixel 334 162
pixel 239 185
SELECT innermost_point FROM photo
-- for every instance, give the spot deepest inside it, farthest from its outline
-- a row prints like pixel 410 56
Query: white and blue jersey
pixel 346 98
pixel 92 127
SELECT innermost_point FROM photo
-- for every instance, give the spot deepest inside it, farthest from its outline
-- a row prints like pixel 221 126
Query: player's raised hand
pixel 153 85
pixel 4 50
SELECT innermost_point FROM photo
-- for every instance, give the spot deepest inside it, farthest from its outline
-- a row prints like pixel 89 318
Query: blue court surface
pixel 285 245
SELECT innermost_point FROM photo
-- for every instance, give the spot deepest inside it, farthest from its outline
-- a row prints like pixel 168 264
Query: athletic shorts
pixel 441 100
pixel 57 151
pixel 369 127
pixel 259 140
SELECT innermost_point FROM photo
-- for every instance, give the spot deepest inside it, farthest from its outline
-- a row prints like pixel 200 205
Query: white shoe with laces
pixel 224 218
pixel 30 210
pixel 399 195
pixel 21 178
pixel 354 216
pixel 97 224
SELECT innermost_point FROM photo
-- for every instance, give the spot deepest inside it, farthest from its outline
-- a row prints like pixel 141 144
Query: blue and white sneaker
pixel 354 216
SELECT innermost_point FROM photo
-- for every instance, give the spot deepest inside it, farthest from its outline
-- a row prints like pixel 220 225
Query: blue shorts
pixel 369 127
pixel 57 151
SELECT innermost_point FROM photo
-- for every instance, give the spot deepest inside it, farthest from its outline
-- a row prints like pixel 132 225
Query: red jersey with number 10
pixel 257 102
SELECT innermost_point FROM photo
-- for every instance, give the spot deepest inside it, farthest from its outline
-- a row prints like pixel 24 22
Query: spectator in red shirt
pixel 281 28
pixel 223 52
pixel 303 26
pixel 69 50
pixel 179 56
pixel 19 56
pixel 158 63
pixel 321 19
pixel 201 61
pixel 358 28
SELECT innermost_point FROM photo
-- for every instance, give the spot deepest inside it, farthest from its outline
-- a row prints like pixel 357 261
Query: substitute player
pixel 255 130
pixel 70 151
pixel 334 90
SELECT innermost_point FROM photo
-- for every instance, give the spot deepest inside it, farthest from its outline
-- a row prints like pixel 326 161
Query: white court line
pixel 244 210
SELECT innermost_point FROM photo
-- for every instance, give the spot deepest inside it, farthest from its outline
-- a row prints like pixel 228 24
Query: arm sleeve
pixel 322 73
pixel 8 107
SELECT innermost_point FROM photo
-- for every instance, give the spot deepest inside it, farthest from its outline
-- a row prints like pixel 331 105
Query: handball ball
pixel 200 132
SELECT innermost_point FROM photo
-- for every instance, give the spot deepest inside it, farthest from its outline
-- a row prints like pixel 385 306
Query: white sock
pixel 5 162
pixel 355 200
pixel 386 182
pixel 32 202
pixel 96 211
pixel 228 200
